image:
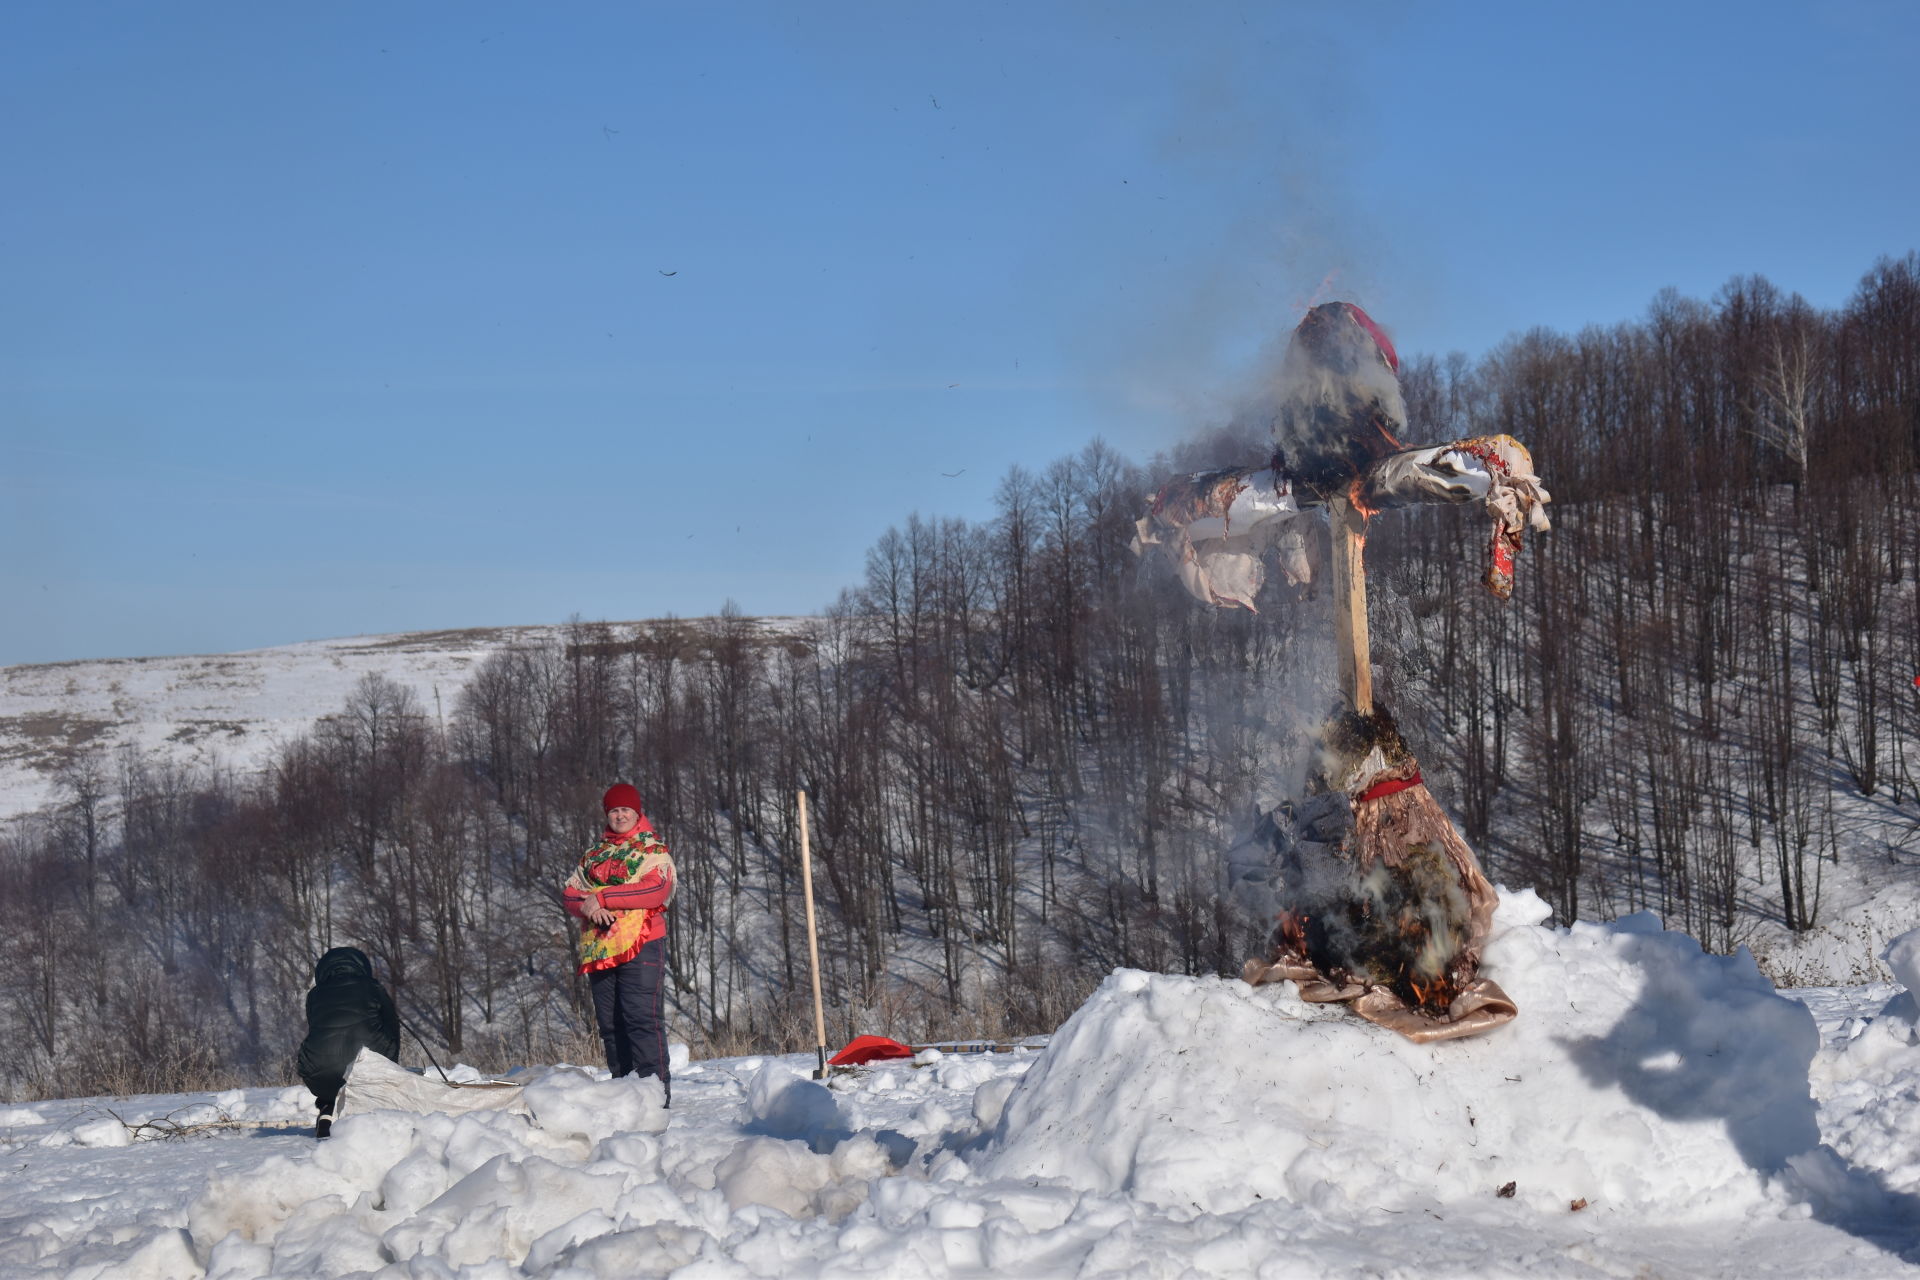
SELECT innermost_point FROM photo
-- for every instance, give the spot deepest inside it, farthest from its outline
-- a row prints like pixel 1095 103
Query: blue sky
pixel 334 319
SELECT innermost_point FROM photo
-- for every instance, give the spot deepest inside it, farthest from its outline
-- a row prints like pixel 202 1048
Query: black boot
pixel 323 1126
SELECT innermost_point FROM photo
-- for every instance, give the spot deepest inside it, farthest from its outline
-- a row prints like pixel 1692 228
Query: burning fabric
pixel 1338 418
pixel 1384 906
pixel 1495 471
pixel 1218 528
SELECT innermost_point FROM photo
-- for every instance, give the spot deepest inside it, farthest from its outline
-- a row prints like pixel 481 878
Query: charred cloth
pixel 1383 903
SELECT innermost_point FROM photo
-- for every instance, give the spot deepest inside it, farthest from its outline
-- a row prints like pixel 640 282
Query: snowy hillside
pixel 231 711
pixel 1654 1111
pixel 205 711
pixel 219 710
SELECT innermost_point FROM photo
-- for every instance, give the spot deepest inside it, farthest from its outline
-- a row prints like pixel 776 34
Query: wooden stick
pixel 813 942
pixel 1350 604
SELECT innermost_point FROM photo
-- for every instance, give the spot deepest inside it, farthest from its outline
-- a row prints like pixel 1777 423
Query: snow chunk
pixel 1869 1089
pixel 784 1104
pixel 1642 1076
pixel 500 1209
pixel 990 1100
pixel 785 1175
pixel 104 1132
pixel 1902 958
pixel 568 1102
pixel 774 1172
pixel 163 1255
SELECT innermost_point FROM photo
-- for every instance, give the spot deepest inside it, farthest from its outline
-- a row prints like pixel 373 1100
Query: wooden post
pixel 813 943
pixel 1350 604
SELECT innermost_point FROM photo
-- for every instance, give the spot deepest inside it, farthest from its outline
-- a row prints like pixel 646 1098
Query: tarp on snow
pixel 376 1083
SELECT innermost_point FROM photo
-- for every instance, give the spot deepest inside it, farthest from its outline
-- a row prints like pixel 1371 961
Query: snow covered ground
pixel 1654 1111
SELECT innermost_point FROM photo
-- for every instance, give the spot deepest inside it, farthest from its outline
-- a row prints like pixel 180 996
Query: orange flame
pixel 1360 503
pixel 1293 930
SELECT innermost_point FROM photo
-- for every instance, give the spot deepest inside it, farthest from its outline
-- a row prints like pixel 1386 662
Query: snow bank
pixel 463 1189
pixel 1642 1076
pixel 1176 1126
pixel 1868 1084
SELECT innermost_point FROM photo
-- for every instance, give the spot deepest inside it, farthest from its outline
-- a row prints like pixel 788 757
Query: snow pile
pixel 394 1185
pixel 1649 1112
pixel 576 1102
pixel 1902 958
pixel 1869 1082
pixel 1643 1077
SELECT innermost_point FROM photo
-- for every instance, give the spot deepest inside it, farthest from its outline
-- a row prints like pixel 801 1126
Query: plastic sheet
pixel 376 1083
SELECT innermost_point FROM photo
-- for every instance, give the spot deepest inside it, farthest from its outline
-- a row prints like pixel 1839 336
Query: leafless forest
pixel 1028 757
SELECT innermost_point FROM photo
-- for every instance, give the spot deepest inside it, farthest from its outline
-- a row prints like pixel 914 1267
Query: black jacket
pixel 346 1009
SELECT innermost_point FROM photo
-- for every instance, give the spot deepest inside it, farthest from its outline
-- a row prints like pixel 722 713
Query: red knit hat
pixel 622 795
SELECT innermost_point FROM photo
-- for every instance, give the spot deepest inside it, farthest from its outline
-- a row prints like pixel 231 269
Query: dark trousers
pixel 628 1003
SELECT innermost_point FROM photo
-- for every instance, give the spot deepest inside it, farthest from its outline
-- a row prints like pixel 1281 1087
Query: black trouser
pixel 628 1003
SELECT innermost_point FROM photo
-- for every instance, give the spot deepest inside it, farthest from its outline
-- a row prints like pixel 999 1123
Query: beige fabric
pixel 376 1083
pixel 1219 528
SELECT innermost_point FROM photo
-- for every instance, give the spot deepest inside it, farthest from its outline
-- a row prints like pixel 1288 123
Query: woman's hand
pixel 596 913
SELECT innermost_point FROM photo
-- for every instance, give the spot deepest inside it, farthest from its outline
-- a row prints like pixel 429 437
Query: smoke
pixel 1264 149
pixel 1252 201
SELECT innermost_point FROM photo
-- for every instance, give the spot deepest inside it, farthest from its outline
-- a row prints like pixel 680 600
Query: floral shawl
pixel 618 860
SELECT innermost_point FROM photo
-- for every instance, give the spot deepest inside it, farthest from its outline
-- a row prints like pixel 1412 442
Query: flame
pixel 1393 441
pixel 1293 929
pixel 1431 995
pixel 1359 503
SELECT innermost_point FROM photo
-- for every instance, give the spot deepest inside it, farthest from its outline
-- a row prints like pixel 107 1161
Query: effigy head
pixel 1338 401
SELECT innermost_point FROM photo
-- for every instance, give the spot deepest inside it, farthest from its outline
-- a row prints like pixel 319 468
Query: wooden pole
pixel 1350 604
pixel 813 943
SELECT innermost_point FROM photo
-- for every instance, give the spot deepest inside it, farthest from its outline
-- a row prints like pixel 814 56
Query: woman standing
pixel 620 893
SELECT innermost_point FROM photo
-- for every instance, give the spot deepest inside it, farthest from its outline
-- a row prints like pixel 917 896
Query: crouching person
pixel 347 1010
pixel 620 892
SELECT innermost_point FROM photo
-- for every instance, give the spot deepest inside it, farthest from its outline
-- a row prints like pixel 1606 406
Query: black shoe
pixel 323 1126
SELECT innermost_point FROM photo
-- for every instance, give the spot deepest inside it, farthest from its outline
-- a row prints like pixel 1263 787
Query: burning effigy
pixel 1382 902
pixel 1337 425
pixel 1385 906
